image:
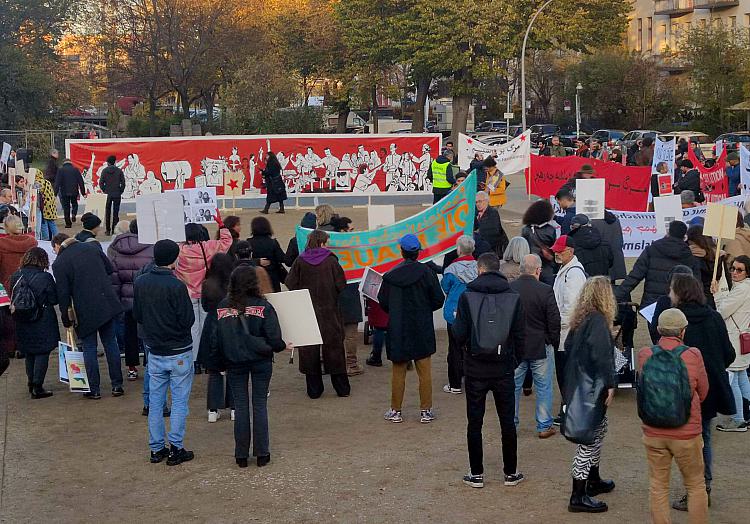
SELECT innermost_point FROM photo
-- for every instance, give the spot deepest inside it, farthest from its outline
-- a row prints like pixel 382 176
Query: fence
pixel 38 142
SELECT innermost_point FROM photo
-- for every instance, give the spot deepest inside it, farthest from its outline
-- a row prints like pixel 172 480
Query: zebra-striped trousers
pixel 588 456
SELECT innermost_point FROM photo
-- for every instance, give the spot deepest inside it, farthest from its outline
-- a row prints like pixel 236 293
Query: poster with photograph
pixel 200 205
pixel 78 379
pixel 370 284
pixel 62 347
pixel 4 298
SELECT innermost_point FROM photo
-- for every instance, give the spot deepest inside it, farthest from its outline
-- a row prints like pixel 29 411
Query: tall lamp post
pixel 523 62
pixel 579 88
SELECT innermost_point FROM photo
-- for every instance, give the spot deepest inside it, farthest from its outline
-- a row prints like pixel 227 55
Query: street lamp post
pixel 579 88
pixel 523 63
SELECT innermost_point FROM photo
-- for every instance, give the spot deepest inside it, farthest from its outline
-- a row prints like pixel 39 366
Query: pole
pixel 578 115
pixel 523 63
pixel 507 120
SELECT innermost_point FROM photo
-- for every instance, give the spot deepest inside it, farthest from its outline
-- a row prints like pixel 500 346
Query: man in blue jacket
pixel 733 173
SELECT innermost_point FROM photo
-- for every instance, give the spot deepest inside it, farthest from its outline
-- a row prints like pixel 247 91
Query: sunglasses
pixel 735 269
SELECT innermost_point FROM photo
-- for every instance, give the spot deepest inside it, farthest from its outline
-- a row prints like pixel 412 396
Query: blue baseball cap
pixel 410 242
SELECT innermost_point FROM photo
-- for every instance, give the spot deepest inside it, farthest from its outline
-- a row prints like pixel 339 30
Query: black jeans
pixel 217 396
pixel 260 377
pixel 36 368
pixel 113 212
pixel 561 357
pixel 69 203
pixel 315 385
pixel 455 361
pixel 132 342
pixel 503 391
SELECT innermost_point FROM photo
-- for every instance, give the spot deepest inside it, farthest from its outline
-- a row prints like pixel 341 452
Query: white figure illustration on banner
pixel 345 174
pixel 408 173
pixel 88 176
pixel 134 173
pixel 177 171
pixel 214 170
pixel 391 165
pixel 424 162
pixel 361 157
pixel 151 185
pixel 331 164
pixel 235 162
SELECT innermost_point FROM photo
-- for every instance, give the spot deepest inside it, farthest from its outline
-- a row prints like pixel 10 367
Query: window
pixel 733 22
pixel 639 42
pixel 663 37
pixel 674 36
pixel 702 23
pixel 650 34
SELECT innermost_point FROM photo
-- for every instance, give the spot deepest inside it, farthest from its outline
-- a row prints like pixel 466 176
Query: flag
pixel 511 157
pixel 233 182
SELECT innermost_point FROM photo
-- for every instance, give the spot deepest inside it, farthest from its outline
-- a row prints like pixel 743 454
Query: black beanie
pixel 677 229
pixel 90 221
pixel 165 252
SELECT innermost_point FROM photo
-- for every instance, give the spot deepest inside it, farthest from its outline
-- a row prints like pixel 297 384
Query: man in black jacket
pixel 488 224
pixel 690 179
pixel 494 372
pixel 655 263
pixel 593 253
pixel 112 183
pixel 409 294
pixel 161 305
pixel 84 285
pixel 542 324
pixel 68 187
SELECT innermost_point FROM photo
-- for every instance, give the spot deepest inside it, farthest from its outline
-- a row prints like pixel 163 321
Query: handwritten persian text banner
pixel 437 228
pixel 626 187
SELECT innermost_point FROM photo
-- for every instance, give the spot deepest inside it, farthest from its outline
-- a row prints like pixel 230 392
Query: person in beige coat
pixel 734 307
pixel 740 245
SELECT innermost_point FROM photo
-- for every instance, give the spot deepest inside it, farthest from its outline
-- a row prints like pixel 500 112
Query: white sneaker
pixel 453 391
pixel 427 416
pixel 393 416
pixel 231 415
pixel 213 416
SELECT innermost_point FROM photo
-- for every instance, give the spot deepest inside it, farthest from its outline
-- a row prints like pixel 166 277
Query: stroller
pixel 626 322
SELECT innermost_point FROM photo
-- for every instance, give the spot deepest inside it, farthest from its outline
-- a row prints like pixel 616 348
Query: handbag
pixel 584 411
pixel 744 339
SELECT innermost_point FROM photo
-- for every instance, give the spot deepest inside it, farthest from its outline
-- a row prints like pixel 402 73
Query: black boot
pixel 39 392
pixel 582 503
pixel 595 485
pixel 265 209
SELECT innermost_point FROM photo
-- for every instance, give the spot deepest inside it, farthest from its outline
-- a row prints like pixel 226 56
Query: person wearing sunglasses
pixel 734 307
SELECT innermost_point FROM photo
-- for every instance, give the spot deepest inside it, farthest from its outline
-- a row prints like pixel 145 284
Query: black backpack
pixel 24 305
pixel 663 389
pixel 491 317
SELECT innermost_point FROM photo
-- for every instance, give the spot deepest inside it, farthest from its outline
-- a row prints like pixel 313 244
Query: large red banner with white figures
pixel 232 164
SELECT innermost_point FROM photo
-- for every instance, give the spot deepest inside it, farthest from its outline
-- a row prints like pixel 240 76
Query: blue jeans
pixel 541 371
pixel 378 341
pixel 109 341
pixel 174 373
pixel 147 379
pixel 48 230
pixel 740 388
pixel 260 378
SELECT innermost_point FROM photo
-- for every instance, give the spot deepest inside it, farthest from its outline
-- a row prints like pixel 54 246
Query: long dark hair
pixel 272 162
pixel 538 213
pixel 220 270
pixel 35 257
pixel 243 285
pixel 696 236
pixel 230 222
pixel 687 290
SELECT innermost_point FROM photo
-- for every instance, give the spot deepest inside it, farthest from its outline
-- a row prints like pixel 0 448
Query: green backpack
pixel 663 389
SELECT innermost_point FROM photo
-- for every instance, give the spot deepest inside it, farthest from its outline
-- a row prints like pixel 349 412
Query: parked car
pixel 540 132
pixel 608 136
pixel 490 126
pixel 732 141
pixel 632 137
pixel 696 137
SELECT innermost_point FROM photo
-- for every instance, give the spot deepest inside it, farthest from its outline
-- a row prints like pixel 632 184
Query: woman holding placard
pixel 318 270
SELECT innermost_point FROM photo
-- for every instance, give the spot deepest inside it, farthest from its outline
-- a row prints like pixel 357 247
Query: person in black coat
pixel 593 253
pixel 84 286
pixel 68 187
pixel 275 187
pixel 540 235
pixel 655 263
pixel 610 230
pixel 409 294
pixel 309 221
pixel 37 339
pixel 267 252
pixel 664 302
pixel 689 180
pixel 112 184
pixel 488 224
pixel 706 331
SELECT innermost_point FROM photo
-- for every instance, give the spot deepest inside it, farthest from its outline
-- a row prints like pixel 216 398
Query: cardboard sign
pixel 721 221
pixel 667 209
pixel 297 319
pixel 78 379
pixel 96 203
pixel 5 155
pixel 665 184
pixel 590 197
pixel 199 205
pixel 380 216
pixel 233 182
pixel 370 284
pixel 4 298
pixel 161 216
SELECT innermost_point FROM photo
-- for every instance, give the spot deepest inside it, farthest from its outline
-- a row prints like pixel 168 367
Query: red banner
pixel 626 188
pixel 310 163
pixel 714 183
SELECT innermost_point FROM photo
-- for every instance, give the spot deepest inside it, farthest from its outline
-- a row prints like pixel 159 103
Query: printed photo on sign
pixel 78 379
pixel 370 284
pixel 4 298
pixel 204 215
pixel 62 348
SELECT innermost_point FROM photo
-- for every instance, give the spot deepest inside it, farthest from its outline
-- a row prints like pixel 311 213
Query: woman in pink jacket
pixel 194 259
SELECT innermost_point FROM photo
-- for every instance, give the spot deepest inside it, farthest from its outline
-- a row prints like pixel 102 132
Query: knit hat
pixel 90 221
pixel 733 156
pixel 579 220
pixel 309 221
pixel 165 252
pixel 672 319
pixel 677 229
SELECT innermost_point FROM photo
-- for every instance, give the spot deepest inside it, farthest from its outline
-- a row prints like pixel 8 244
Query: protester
pixel 740 244
pixel 582 149
pixel 690 179
pixel 687 199
pixel 244 254
pixel 493 337
pixel 732 172
pixel 734 307
pixel 292 250
pixel 409 294
pixel 168 339
pixel 13 246
pixel 232 223
pixel 455 278
pixel 267 252
pixel 664 302
pixel 89 304
pixel 594 254
pixel 662 168
pixel 47 206
pixel 318 270
pixel 476 166
pixel 660 385
pixel 488 224
pixel 616 156
pixel 645 156
pixel 440 173
pixel 541 235
pixel 243 340
pixel 112 184
pixel 610 230
pixel 596 150
pixel 510 265
pixel 542 336
pixel 324 214
pixel 50 170
pixel 707 331
pixel 91 227
pixel 275 186
pixel 195 258
pixel 37 331
pixel 655 263
pixel 703 249
pixel 496 183
pixel 377 319
pixel 567 202
pixel 69 186
pixel 555 148
pixel 589 375
pixel 586 172
pixel 128 257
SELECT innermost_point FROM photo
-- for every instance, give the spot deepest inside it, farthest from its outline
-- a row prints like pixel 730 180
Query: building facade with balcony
pixel 657 26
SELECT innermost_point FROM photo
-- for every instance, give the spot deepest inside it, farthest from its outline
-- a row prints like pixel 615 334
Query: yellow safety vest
pixel 439 179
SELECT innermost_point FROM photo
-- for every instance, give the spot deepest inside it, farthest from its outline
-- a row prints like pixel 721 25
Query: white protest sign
pixel 296 317
pixel 199 205
pixel 744 170
pixel 648 313
pixel 96 203
pixel 590 197
pixel 370 284
pixel 160 216
pixel 664 151
pixel 5 155
pixel 511 157
pixel 666 209
pixel 721 221
pixel 78 379
pixel 719 148
pixel 379 216
pixel 62 347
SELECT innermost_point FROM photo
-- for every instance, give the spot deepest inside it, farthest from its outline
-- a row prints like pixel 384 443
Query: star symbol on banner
pixel 523 138
pixel 469 141
pixel 232 184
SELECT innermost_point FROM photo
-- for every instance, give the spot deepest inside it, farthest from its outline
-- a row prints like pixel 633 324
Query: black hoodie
pixel 409 294
pixel 593 253
pixel 490 283
pixel 654 265
pixel 112 181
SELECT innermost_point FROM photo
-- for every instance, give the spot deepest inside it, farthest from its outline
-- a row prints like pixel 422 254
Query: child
pixel 378 320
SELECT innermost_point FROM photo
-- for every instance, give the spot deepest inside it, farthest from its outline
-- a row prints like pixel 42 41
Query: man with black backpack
pixel 672 383
pixel 490 323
